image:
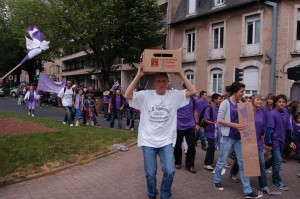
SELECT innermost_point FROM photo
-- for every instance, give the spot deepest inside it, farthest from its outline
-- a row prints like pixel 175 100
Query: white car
pixel 1 92
pixel 14 91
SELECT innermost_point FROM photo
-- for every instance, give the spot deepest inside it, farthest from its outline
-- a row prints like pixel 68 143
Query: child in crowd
pixel 296 134
pixel 279 128
pixel 78 106
pixel 89 106
pixel 31 98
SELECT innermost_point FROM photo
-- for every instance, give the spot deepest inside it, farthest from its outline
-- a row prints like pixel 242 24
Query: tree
pixel 107 29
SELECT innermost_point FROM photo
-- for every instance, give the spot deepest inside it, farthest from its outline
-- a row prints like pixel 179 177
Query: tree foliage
pixel 105 29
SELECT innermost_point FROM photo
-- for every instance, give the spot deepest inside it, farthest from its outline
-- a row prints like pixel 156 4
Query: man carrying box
pixel 157 128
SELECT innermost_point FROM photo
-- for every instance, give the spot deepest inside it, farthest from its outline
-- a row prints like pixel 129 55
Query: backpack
pixel 201 117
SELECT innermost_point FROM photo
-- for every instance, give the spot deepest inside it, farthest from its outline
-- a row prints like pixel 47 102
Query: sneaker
pixel 127 128
pixel 253 195
pixel 132 129
pixel 191 169
pixel 177 166
pixel 64 123
pixel 32 115
pixel 208 167
pixel 28 113
pixel 87 124
pixel 219 186
pixel 266 190
pixel 71 124
pixel 281 186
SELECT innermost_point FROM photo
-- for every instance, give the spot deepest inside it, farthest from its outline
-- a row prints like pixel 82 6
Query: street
pixel 9 104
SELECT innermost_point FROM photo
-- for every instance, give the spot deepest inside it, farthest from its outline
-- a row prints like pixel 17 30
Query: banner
pixel 248 139
pixel 46 84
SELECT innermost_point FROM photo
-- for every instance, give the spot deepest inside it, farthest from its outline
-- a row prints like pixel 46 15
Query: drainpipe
pixel 273 52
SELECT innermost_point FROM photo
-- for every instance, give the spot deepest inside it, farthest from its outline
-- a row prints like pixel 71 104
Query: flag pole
pixel 12 70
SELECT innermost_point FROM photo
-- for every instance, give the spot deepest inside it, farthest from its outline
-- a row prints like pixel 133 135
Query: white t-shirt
pixel 66 97
pixel 158 121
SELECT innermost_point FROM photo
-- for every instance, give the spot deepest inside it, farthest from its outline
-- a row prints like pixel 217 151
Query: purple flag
pixel 46 84
pixel 36 45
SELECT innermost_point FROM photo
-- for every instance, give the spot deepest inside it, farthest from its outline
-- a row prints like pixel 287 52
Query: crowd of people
pixel 170 119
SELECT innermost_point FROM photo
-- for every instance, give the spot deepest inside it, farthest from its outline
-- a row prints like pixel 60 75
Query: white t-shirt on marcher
pixel 158 120
pixel 66 97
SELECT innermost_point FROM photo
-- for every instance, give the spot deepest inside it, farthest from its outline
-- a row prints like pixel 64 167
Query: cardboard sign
pixel 248 140
pixel 162 60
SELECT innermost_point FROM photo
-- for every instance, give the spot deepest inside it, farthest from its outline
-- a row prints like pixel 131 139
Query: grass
pixel 30 153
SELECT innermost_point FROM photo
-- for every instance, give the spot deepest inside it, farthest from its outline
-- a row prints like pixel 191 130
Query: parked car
pixel 1 91
pixel 13 91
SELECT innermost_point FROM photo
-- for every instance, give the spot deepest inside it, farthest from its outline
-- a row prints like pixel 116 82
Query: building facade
pixel 261 38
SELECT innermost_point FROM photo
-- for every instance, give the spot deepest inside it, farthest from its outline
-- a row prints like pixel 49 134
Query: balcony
pixel 217 53
pixel 189 57
pixel 251 49
pixel 297 46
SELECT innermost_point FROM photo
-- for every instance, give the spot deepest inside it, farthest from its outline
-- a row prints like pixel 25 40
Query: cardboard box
pixel 248 140
pixel 168 61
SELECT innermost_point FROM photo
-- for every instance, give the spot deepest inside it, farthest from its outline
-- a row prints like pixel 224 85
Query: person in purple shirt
pixel 231 138
pixel 260 126
pixel 278 128
pixel 270 104
pixel 187 123
pixel 201 103
pixel 31 99
pixel 296 134
pixel 210 129
pixel 115 108
pixel 105 104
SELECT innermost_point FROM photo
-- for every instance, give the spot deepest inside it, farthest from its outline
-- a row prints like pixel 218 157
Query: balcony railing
pixel 217 53
pixel 251 49
pixel 188 57
pixel 297 46
pixel 76 68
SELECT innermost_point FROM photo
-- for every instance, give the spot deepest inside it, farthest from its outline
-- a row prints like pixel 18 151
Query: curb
pixel 62 168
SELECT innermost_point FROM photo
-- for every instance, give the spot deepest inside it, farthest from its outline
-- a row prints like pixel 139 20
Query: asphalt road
pixel 9 104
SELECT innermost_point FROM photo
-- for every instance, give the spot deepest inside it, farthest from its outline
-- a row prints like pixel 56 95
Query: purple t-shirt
pixel 31 96
pixel 185 116
pixel 260 122
pixel 210 128
pixel 267 111
pixel 118 99
pixel 296 133
pixel 280 122
pixel 234 133
pixel 200 105
pixel 105 100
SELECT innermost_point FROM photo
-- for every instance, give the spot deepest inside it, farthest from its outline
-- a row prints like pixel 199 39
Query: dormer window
pixel 219 2
pixel 191 7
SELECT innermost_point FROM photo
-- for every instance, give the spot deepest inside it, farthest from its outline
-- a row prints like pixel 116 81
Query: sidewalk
pixel 121 175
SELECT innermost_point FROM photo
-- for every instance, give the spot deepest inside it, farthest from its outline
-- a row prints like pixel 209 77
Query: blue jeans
pixel 275 162
pixel 69 114
pixel 116 114
pixel 130 118
pixel 166 154
pixel 227 144
pixel 105 108
pixel 262 179
pixel 200 135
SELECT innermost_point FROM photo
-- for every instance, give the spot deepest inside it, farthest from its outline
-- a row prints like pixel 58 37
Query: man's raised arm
pixel 132 85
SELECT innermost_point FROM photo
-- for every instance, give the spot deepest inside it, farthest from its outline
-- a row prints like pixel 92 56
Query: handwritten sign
pixel 248 139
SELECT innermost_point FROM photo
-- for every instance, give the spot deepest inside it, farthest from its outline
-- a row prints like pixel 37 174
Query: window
pixel 216 80
pixel 253 29
pixel 251 80
pixel 190 41
pixel 218 35
pixel 219 2
pixel 191 6
pixel 297 41
pixel 190 76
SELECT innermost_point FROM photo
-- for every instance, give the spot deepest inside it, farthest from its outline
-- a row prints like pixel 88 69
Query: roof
pixel 206 7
